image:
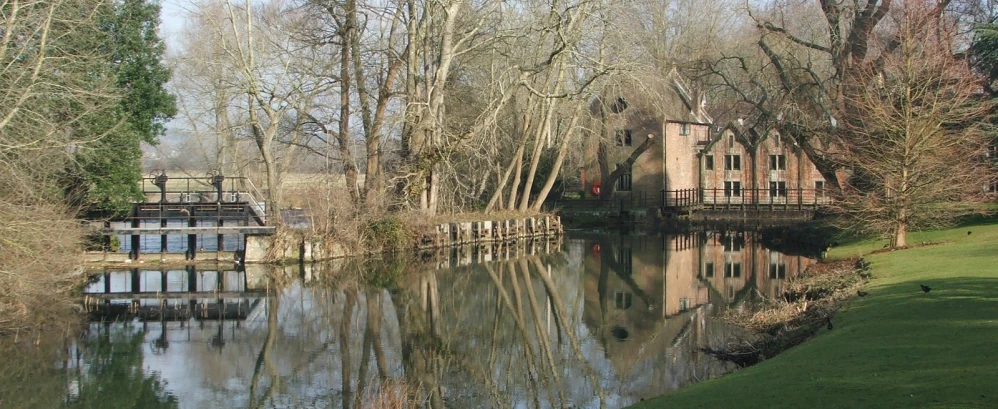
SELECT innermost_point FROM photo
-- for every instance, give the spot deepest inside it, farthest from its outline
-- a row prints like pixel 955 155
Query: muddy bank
pixel 805 307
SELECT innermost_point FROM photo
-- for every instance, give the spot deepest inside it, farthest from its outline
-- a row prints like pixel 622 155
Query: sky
pixel 171 21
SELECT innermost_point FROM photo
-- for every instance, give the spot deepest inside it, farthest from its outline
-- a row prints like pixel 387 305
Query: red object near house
pixel 596 249
pixel 596 188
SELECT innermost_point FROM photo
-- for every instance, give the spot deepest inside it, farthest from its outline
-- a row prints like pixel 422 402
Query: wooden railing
pixel 720 198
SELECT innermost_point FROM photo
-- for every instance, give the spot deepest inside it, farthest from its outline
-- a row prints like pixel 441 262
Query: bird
pixel 925 288
pixel 968 232
pixel 829 319
pixel 861 293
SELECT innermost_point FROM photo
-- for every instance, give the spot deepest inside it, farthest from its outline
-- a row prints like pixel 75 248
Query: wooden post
pixel 221 238
pixel 136 241
pixel 192 239
pixel 162 238
pixel 136 288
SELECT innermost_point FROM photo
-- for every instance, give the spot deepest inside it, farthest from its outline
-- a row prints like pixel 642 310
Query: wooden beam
pixel 258 230
pixel 177 295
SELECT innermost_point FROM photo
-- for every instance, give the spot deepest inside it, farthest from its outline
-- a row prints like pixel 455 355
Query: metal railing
pixel 210 189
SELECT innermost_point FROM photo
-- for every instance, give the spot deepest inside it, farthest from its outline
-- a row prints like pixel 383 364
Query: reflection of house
pixel 642 293
pixel 732 164
pixel 734 263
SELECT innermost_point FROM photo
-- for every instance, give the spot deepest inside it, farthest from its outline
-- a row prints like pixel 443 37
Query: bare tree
pixel 912 130
pixel 56 89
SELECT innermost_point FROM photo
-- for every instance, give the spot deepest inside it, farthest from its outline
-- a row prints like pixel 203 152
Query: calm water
pixel 594 321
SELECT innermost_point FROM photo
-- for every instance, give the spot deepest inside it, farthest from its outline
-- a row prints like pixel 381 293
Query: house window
pixel 993 151
pixel 778 270
pixel 776 138
pixel 708 269
pixel 684 304
pixel 777 162
pixel 624 258
pixel 623 137
pixel 731 140
pixel 622 300
pixel 624 181
pixel 993 186
pixel 684 129
pixel 732 270
pixel 778 189
pixel 819 188
pixel 732 188
pixel 732 162
pixel 708 162
pixel 733 243
pixel 619 105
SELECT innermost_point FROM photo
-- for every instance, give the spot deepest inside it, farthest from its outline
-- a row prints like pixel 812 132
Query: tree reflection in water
pixel 600 321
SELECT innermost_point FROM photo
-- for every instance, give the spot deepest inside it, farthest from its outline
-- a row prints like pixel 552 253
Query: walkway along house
pixel 660 145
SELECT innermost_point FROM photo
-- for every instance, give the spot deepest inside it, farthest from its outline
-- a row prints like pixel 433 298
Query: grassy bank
pixel 895 348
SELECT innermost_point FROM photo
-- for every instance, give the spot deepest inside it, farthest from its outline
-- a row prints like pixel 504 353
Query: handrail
pixel 201 190
pixel 731 197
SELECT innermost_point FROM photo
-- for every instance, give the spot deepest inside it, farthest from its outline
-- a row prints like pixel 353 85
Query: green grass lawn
pixel 895 348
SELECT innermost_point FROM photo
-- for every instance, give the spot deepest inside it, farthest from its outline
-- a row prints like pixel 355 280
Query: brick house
pixel 741 165
pixel 731 164
pixel 672 114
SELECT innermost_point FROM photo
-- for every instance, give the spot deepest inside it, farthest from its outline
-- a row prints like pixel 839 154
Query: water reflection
pixel 596 321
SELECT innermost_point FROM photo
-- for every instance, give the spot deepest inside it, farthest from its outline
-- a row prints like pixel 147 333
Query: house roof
pixel 669 98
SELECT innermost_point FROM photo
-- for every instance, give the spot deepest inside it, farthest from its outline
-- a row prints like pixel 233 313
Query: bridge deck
pixel 177 295
pixel 252 230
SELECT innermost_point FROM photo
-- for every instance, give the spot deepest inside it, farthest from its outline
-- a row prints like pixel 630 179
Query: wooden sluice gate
pixel 215 206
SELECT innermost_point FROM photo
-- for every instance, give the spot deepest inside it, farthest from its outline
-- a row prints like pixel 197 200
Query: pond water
pixel 590 321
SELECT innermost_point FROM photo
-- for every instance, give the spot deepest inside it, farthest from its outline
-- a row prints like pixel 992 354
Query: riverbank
pixel 897 346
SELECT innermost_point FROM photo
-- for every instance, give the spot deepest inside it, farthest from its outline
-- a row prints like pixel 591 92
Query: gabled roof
pixel 694 103
pixel 669 98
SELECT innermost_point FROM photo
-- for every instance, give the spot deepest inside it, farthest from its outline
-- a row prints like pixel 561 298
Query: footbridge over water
pixel 191 208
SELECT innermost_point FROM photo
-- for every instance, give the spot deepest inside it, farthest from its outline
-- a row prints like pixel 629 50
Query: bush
pixel 389 234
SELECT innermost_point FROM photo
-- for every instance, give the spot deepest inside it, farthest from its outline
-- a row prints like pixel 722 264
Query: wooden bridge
pixel 761 199
pixel 693 200
pixel 213 205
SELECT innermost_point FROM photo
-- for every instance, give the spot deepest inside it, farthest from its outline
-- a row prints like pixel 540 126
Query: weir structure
pixel 193 207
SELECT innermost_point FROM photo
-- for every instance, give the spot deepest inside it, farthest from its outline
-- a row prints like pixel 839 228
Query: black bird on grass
pixel 829 320
pixel 925 288
pixel 968 232
pixel 861 293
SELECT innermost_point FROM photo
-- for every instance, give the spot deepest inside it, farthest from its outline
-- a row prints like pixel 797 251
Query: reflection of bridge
pixel 194 207
pixel 171 295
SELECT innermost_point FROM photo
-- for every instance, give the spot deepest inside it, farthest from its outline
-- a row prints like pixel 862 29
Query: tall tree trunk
pixel 349 169
pixel 556 168
pixel 496 199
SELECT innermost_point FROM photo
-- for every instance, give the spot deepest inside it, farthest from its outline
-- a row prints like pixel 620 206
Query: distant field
pixel 198 181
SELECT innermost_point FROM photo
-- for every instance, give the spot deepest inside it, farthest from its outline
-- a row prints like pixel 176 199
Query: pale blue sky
pixel 171 20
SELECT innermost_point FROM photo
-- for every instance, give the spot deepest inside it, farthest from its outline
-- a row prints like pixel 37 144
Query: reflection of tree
pixel 421 345
pixel 609 262
pixel 264 359
pixel 114 376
